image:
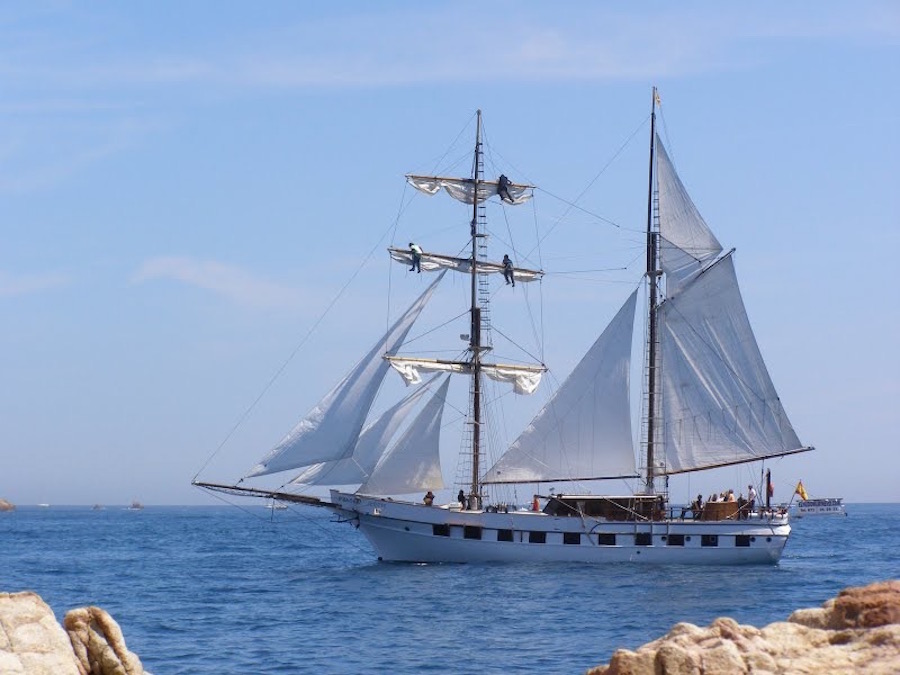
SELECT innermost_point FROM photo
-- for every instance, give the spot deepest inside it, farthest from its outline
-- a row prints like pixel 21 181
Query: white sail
pixel 431 262
pixel 524 378
pixel 330 430
pixel 584 432
pixel 372 443
pixel 687 244
pixel 414 463
pixel 719 404
pixel 463 189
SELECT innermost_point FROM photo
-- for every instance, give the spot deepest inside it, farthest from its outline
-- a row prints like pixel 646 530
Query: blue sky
pixel 186 188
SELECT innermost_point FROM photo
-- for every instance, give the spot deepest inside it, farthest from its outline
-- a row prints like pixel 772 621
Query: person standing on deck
pixel 751 498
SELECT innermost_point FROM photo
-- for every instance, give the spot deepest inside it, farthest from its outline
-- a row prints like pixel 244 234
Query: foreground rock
pixel 33 643
pixel 7 506
pixel 857 632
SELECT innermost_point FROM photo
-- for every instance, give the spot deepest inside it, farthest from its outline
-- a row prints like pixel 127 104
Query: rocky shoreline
pixel 856 632
pixel 32 642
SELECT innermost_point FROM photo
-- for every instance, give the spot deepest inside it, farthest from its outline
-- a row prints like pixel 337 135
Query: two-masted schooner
pixel 708 402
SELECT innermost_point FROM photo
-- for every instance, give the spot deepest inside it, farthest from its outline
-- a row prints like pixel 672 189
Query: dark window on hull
pixel 709 540
pixel 471 532
pixel 742 540
pixel 537 537
pixel 643 539
pixel 572 538
pixel 504 535
pixel 606 539
pixel 675 540
pixel 441 530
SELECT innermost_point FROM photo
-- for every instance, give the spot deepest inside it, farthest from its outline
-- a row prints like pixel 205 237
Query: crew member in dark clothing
pixel 508 271
pixel 503 184
pixel 461 498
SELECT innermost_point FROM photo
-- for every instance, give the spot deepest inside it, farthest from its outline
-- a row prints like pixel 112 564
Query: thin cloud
pixel 29 284
pixel 228 281
pixel 373 47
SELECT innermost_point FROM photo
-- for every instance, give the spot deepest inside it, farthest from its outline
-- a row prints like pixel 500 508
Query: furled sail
pixel 688 244
pixel 372 443
pixel 414 462
pixel 431 262
pixel 584 432
pixel 525 378
pixel 330 431
pixel 719 404
pixel 463 189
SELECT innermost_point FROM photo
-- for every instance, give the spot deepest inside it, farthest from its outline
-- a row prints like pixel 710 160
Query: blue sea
pixel 225 589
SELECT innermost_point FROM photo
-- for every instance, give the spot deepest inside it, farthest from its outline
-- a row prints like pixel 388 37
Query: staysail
pixel 525 378
pixel 329 432
pixel 372 443
pixel 584 432
pixel 463 189
pixel 414 463
pixel 431 262
pixel 719 404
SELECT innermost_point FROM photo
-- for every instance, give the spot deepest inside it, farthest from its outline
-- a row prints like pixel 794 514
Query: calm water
pixel 232 590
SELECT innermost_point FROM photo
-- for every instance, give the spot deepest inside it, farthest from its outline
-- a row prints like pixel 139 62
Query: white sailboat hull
pixel 408 532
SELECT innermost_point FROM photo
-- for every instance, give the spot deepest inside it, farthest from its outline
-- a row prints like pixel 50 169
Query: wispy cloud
pixel 228 281
pixel 407 46
pixel 28 284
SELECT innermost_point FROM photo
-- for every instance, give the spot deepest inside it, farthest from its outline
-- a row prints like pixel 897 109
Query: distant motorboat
pixel 43 506
pixel 275 505
pixel 136 506
pixel 821 506
pixel 97 507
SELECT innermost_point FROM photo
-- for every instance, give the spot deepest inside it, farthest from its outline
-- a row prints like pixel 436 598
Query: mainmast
pixel 653 274
pixel 475 332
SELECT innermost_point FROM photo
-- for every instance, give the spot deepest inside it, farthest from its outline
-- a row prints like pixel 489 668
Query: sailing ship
pixel 708 402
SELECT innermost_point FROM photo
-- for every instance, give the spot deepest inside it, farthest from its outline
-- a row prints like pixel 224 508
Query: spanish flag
pixel 801 491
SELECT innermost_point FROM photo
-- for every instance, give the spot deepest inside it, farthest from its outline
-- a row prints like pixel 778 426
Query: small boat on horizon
pixel 135 506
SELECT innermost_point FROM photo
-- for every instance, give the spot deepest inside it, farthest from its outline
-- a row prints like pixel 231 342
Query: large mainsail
pixel 584 432
pixel 414 463
pixel 372 443
pixel 330 431
pixel 719 404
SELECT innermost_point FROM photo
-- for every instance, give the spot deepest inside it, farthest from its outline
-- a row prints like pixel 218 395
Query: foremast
pixel 653 276
pixel 475 345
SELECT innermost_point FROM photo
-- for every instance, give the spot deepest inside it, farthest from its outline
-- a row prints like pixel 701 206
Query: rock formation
pixel 33 643
pixel 7 506
pixel 857 632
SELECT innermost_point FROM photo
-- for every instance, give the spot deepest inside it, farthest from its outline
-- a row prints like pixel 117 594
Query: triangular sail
pixel 372 443
pixel 463 189
pixel 687 242
pixel 584 432
pixel 330 430
pixel 414 463
pixel 719 404
pixel 432 262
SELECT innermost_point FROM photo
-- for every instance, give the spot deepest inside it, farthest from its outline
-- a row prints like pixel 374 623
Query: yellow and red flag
pixel 801 491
